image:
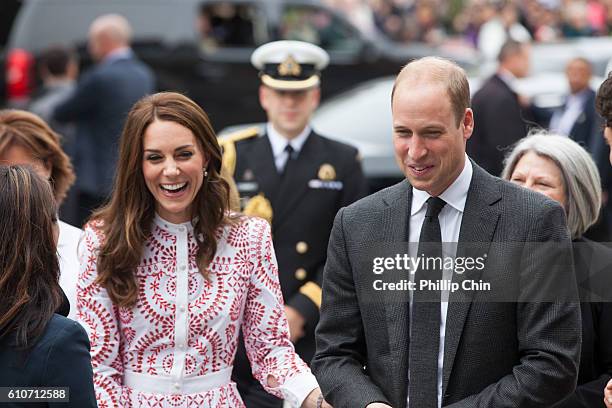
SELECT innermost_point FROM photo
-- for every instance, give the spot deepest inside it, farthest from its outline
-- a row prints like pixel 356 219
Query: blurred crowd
pixel 480 22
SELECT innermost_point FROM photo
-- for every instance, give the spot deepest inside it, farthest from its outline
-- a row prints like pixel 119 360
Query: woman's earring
pixel 205 172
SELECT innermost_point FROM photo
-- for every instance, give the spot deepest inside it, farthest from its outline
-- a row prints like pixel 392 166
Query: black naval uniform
pixel 323 177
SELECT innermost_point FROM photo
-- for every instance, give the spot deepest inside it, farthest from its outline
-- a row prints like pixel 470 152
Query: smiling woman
pixel 169 275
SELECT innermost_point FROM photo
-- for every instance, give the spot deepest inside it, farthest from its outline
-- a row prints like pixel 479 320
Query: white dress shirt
pixel 67 244
pixel 563 121
pixel 279 143
pixel 450 223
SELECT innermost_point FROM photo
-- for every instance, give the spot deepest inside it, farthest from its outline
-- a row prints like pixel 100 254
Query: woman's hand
pixel 312 398
pixel 608 394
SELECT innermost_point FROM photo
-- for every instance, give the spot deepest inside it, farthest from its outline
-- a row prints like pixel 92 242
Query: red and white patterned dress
pixel 176 347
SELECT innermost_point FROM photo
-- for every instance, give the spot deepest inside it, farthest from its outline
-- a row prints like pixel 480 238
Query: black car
pixel 203 48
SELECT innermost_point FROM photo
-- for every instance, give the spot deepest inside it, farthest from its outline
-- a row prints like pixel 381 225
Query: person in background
pixel 27 139
pixel 99 104
pixel 564 171
pixel 431 348
pixel 38 348
pixel 501 115
pixel 603 104
pixel 578 119
pixel 298 180
pixel 169 276
pixel 58 69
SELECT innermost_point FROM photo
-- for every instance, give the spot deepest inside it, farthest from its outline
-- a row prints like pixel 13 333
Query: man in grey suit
pixel 514 344
pixel 99 105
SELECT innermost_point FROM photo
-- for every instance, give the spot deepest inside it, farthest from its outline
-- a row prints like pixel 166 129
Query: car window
pixel 224 24
pixel 318 26
pixel 42 23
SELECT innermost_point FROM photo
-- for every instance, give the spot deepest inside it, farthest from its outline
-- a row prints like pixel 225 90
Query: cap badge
pixel 289 67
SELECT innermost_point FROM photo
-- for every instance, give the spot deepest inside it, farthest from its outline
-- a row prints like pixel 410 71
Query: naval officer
pixel 297 180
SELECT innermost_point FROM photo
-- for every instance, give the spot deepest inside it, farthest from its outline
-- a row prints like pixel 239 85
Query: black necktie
pixel 425 320
pixel 291 155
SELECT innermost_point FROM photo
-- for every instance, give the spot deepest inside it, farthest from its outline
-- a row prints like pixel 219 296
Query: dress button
pixel 182 229
pixel 301 247
pixel 183 267
pixel 300 274
pixel 182 308
pixel 181 346
pixel 177 386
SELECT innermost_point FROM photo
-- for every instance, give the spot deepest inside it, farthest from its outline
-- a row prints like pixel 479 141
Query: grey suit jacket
pixel 496 354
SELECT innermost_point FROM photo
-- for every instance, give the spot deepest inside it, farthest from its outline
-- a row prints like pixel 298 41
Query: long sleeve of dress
pixel 98 316
pixel 265 328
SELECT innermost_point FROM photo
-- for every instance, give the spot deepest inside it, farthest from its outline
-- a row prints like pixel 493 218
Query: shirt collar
pixel 115 55
pixel 455 195
pixel 279 142
pixel 171 227
pixel 578 96
pixel 507 77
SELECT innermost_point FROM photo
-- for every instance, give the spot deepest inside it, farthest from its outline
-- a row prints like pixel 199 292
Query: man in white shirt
pixel 434 345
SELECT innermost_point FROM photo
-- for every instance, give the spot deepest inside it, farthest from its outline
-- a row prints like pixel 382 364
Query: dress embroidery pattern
pixel 184 328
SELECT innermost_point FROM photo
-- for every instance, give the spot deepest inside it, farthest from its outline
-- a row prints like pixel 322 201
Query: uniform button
pixel 301 247
pixel 300 274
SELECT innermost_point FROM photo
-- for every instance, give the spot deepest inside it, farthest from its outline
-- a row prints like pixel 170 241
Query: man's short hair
pixel 56 59
pixel 509 49
pixel 446 73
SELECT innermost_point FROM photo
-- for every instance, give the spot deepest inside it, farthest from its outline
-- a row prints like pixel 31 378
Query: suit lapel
pixel 294 183
pixel 394 224
pixel 478 225
pixel 262 164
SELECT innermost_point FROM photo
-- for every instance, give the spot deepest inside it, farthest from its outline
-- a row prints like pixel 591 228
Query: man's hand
pixel 608 394
pixel 378 405
pixel 296 323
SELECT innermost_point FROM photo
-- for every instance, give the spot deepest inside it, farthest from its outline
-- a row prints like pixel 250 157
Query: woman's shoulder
pixel 94 230
pixel 62 329
pixel 239 221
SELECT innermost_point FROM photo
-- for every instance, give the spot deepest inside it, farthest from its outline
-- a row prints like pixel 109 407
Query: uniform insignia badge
pixel 259 206
pixel 248 175
pixel 289 67
pixel 327 172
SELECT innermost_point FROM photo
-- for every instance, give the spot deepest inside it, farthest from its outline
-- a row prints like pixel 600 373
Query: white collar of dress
pixel 172 227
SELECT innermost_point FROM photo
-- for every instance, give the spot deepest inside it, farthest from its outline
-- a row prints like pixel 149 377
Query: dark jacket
pixel 60 358
pixel 499 122
pixel 496 353
pixel 593 266
pixel 303 212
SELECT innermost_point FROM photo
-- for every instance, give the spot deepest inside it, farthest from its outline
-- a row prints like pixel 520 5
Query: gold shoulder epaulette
pixel 229 149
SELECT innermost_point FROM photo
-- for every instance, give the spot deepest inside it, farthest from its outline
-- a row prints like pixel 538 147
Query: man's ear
pixel 262 96
pixel 468 123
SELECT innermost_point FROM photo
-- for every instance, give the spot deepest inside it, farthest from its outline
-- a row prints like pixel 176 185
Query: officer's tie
pixel 291 156
pixel 425 319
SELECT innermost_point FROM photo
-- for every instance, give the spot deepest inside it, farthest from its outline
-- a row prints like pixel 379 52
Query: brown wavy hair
pixel 18 127
pixel 29 268
pixel 126 220
pixel 603 100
